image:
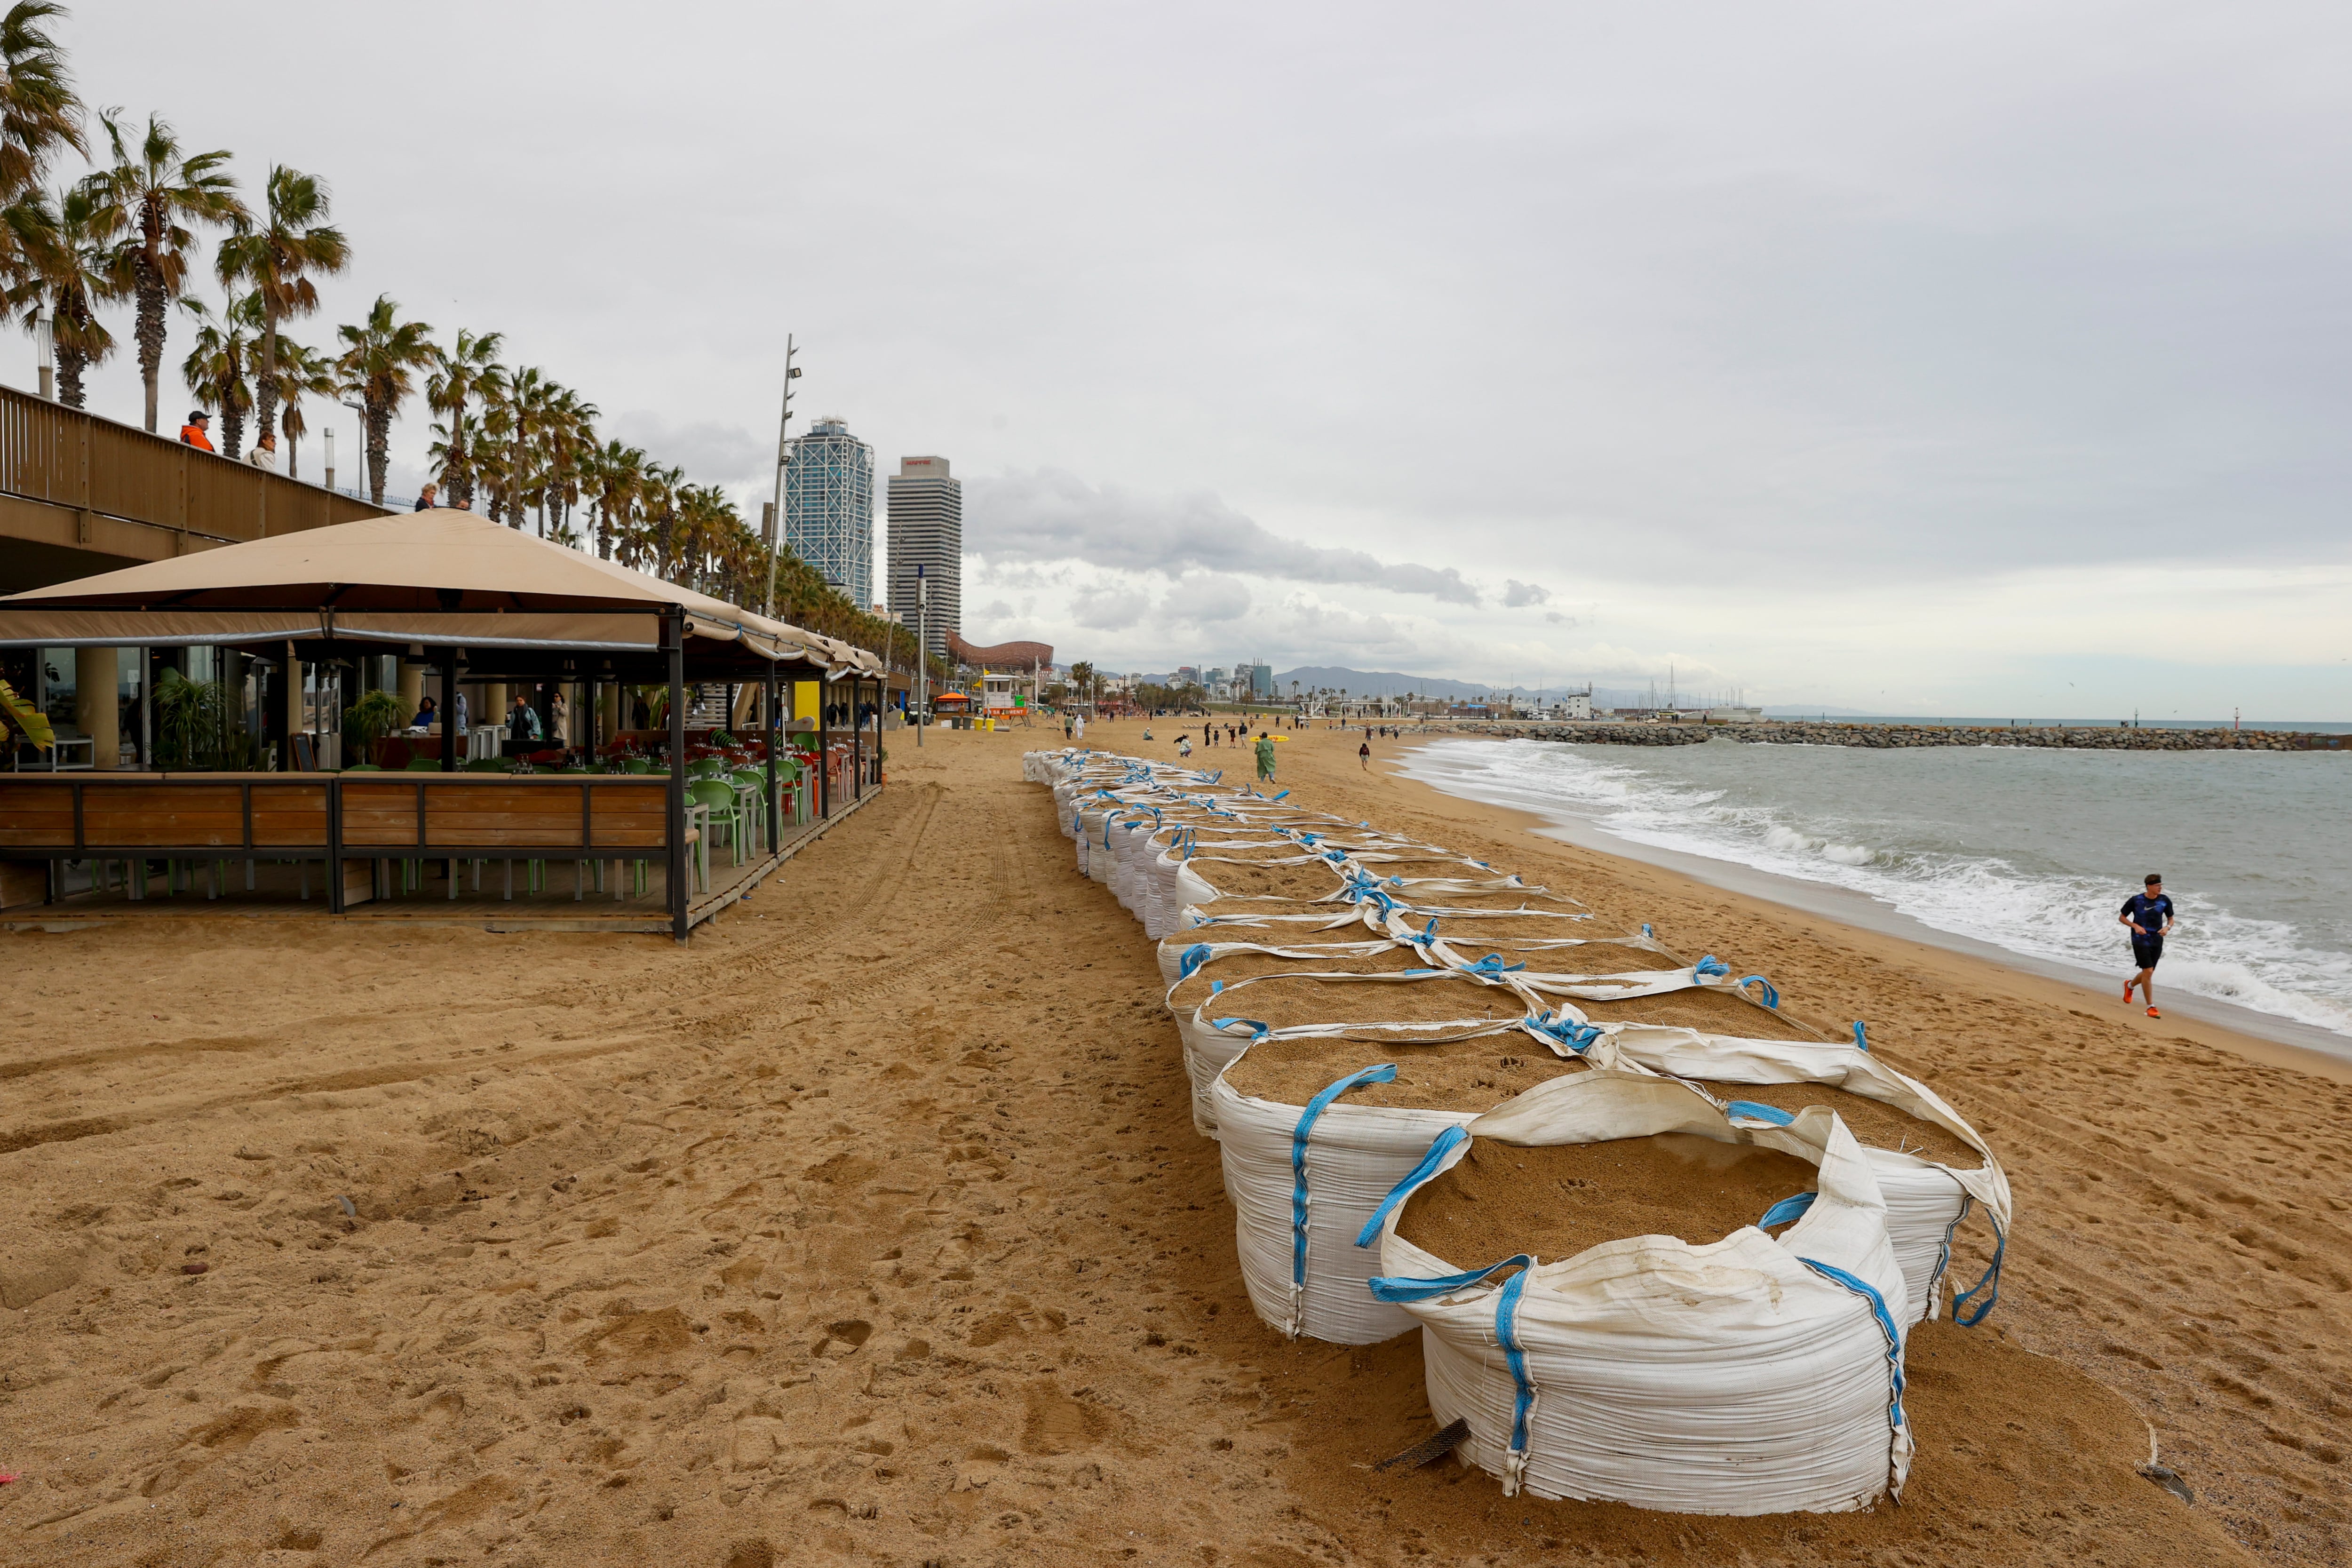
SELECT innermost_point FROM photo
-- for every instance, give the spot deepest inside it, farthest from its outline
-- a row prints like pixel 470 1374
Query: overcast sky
pixel 1988 359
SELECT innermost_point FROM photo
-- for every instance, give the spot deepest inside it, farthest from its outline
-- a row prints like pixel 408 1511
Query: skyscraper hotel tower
pixel 927 530
pixel 829 507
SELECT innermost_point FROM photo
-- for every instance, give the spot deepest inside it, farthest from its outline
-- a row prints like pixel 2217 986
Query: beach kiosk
pixel 458 593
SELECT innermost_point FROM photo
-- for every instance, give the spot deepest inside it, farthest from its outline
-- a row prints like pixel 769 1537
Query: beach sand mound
pixel 1457 1074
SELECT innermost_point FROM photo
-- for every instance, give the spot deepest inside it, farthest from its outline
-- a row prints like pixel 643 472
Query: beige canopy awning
pixel 441 576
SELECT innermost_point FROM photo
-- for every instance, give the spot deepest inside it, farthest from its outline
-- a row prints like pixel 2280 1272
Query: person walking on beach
pixel 1364 755
pixel 1266 759
pixel 2150 916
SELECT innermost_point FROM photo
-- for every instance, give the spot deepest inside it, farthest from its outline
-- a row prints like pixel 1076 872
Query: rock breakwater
pixel 1814 732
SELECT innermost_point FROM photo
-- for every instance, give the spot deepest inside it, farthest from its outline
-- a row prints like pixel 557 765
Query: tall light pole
pixel 45 338
pixel 783 455
pixel 922 650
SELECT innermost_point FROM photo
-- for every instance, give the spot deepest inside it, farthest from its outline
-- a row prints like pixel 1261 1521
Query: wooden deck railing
pixel 355 817
pixel 87 463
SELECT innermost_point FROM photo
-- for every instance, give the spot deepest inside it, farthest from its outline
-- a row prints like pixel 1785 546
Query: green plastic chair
pixel 719 797
pixel 637 765
pixel 422 765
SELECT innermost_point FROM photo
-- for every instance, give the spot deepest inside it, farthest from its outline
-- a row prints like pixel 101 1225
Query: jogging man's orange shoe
pixel 2127 991
pixel 2154 1013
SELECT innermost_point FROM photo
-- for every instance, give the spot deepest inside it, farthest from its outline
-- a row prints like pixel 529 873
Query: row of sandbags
pixel 1360 1012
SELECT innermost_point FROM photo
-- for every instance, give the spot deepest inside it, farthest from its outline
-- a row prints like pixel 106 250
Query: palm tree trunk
pixel 149 333
pixel 69 369
pixel 293 456
pixel 232 425
pixel 264 396
pixel 379 442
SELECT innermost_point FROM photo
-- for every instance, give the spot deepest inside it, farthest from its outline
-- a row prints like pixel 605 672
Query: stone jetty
pixel 1816 733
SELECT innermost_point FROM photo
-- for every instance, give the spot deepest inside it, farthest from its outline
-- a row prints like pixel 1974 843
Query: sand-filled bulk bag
pixel 1570 967
pixel 1311 924
pixel 1934 1169
pixel 1412 1006
pixel 1736 1373
pixel 1701 1005
pixel 1314 1132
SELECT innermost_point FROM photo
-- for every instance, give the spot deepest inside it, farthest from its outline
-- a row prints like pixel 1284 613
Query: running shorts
pixel 2147 950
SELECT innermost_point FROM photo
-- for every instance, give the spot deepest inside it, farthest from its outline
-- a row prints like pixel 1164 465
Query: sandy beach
pixel 872 1227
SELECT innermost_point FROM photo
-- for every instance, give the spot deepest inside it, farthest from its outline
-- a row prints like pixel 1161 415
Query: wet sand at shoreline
pixel 871 1228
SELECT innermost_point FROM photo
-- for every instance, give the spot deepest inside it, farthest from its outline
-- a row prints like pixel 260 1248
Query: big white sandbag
pixel 1926 1201
pixel 1213 1034
pixel 1304 1180
pixel 1747 1375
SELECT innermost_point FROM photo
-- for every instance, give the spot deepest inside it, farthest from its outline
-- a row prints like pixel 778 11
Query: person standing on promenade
pixel 265 453
pixel 428 497
pixel 2150 916
pixel 192 434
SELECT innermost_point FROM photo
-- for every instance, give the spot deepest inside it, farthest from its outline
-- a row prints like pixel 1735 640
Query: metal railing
pixel 67 457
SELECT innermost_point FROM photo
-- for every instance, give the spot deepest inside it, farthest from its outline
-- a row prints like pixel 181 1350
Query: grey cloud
pixel 1517 595
pixel 1049 515
pixel 710 453
pixel 1107 608
pixel 1209 599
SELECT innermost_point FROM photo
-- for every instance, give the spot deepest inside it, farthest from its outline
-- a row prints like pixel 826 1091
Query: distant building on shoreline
pixel 829 505
pixel 927 530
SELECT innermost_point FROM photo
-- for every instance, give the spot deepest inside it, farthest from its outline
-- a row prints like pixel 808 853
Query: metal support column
pixel 674 640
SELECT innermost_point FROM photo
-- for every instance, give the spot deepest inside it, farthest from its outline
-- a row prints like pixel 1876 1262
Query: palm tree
pixel 571 434
pixel 66 259
pixel 215 368
pixel 383 351
pixel 157 189
pixel 279 257
pixel 619 475
pixel 38 110
pixel 521 413
pixel 461 374
pixel 301 373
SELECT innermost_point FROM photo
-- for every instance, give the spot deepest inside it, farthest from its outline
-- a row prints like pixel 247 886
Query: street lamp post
pixel 783 456
pixel 922 651
pixel 328 436
pixel 45 338
pixel 360 409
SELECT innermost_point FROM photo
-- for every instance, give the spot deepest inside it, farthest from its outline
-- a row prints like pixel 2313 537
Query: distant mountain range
pixel 1396 683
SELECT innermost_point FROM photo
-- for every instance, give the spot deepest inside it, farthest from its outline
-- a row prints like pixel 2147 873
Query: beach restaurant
pixel 628 816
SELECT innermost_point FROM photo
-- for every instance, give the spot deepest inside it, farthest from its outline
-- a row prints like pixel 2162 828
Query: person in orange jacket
pixel 192 434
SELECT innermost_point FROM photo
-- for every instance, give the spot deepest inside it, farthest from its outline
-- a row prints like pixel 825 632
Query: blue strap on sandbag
pixel 1787 1210
pixel 1648 932
pixel 1507 1334
pixel 1195 956
pixel 1990 1282
pixel 1397 1290
pixel 1257 1031
pixel 1861 1040
pixel 1492 965
pixel 1576 1036
pixel 1279 796
pixel 1384 1072
pixel 1771 993
pixel 1710 966
pixel 1753 1112
pixel 1869 1292
pixel 1438 1149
